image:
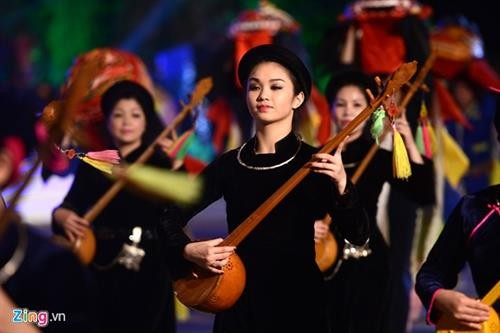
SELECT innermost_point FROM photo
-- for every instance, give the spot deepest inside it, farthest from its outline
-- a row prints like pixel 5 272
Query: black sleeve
pixel 80 194
pixel 445 260
pixel 350 217
pixel 174 218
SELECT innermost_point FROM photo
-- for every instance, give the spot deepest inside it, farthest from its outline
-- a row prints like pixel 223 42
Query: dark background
pixel 59 30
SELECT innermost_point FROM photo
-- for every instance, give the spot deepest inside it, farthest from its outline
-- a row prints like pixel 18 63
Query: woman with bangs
pixel 284 289
pixel 132 296
pixel 361 279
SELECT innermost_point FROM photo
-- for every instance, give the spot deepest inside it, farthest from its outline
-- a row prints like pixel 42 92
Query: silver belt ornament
pixel 350 251
pixel 131 255
pixel 354 251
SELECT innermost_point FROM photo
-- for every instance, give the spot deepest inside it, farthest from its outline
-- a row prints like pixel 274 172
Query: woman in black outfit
pixel 470 235
pixel 284 289
pixel 130 299
pixel 359 291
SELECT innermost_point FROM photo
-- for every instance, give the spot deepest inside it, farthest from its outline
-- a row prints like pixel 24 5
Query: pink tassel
pixel 427 140
pixel 110 156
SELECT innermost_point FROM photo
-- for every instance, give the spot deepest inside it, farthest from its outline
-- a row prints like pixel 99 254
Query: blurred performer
pixel 134 287
pixel 353 297
pixel 376 37
pixel 39 276
pixel 470 236
pixel 463 78
pixel 84 126
pixel 19 105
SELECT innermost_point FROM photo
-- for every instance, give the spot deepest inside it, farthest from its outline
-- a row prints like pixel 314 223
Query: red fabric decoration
pixel 54 160
pixel 482 73
pixel 220 115
pixel 323 109
pixel 449 108
pixel 193 165
pixel 257 27
pixel 382 46
pixel 113 65
pixel 16 151
pixel 447 68
pixel 244 41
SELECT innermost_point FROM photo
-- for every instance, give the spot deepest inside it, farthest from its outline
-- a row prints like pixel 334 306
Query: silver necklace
pixel 251 167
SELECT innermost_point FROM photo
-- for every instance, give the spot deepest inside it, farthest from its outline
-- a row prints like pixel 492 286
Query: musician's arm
pixel 174 218
pixel 350 216
pixel 78 197
pixel 443 264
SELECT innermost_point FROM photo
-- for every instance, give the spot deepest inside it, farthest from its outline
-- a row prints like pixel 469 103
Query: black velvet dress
pixel 128 301
pixel 471 235
pixel 359 293
pixel 284 290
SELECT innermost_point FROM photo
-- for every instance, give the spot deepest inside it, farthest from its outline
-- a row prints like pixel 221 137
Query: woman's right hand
pixel 208 255
pixel 466 311
pixel 73 225
pixel 165 144
pixel 320 230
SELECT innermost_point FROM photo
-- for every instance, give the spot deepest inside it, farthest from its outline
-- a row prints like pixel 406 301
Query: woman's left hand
pixel 403 127
pixel 165 144
pixel 320 230
pixel 332 166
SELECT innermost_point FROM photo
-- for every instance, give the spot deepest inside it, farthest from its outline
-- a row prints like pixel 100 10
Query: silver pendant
pixel 131 254
pixel 355 251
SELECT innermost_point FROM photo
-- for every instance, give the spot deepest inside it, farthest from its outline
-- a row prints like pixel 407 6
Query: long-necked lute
pixel 207 291
pixel 85 247
pixel 327 248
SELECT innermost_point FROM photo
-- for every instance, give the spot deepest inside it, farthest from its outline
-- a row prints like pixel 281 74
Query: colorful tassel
pixel 432 136
pixel 455 161
pixel 102 160
pixel 181 145
pixel 401 162
pixel 426 140
pixel 377 128
pixel 166 184
pixel 419 139
pixel 182 312
pixel 100 165
pixel 109 156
